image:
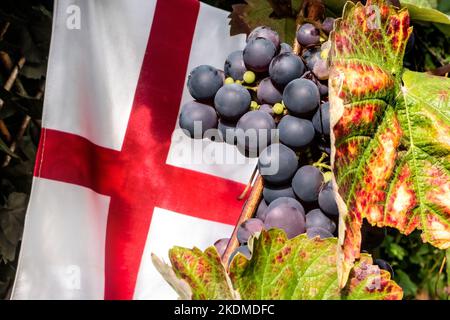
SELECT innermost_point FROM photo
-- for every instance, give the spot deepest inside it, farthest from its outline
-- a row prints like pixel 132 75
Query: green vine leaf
pixel 298 268
pixel 391 133
pixel 425 11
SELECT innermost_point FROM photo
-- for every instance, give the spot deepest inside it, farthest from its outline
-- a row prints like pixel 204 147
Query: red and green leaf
pixel 391 132
pixel 294 269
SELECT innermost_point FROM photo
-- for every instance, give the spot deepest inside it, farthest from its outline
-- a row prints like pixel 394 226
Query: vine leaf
pixel 424 11
pixel 298 268
pixel 391 133
pixel 203 272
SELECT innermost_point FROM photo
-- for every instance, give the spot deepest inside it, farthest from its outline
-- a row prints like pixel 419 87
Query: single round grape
pixel 286 201
pixel 321 119
pixel 316 218
pixel 258 53
pixel 232 101
pixel 328 24
pixel 288 218
pixel 301 96
pixel 308 35
pixel 204 82
pixel 295 132
pixel 249 228
pixel 266 108
pixel 261 212
pixel 221 245
pixel 307 183
pixel 284 47
pixel 286 67
pixel 234 65
pixel 277 164
pixel 244 250
pixel 196 118
pixel 278 108
pixel 318 232
pixel 255 130
pixel 311 56
pixel 270 193
pixel 268 93
pixel 321 70
pixel 266 33
pixel 327 200
pixel 382 264
pixel 227 131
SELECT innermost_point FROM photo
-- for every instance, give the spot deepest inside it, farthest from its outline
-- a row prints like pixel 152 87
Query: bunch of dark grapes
pixel 268 86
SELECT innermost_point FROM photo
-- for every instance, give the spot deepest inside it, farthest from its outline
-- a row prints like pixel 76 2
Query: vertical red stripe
pixel 147 140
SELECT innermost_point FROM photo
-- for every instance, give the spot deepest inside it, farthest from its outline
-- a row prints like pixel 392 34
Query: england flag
pixel 114 180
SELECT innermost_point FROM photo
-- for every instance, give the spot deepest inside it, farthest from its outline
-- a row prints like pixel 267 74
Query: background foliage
pixel 25 29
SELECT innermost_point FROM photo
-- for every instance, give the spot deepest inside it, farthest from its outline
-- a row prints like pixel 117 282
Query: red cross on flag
pixel 113 182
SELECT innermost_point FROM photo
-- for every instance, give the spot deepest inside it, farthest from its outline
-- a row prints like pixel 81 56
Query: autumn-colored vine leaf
pixel 204 273
pixel 255 13
pixel 391 133
pixel 298 268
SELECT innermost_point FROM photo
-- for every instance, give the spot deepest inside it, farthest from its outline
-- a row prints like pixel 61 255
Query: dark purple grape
pixel 249 228
pixel 266 33
pixel 284 47
pixel 266 108
pixel 268 93
pixel 288 218
pixel 328 24
pixel 327 200
pixel 204 82
pixel 286 67
pixel 261 212
pixel 307 183
pixel 321 119
pixel 232 101
pixel 308 35
pixel 235 66
pixel 277 164
pixel 311 57
pixel 286 201
pixel 255 131
pixel 244 250
pixel 316 218
pixel 301 96
pixel 258 53
pixel 227 131
pixel 295 132
pixel 221 245
pixel 270 193
pixel 318 232
pixel 196 118
pixel 385 266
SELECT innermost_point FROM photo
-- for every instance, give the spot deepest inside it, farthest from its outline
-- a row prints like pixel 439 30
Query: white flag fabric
pixel 112 181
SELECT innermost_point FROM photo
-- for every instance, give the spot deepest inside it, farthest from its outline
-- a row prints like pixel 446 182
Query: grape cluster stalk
pixel 266 86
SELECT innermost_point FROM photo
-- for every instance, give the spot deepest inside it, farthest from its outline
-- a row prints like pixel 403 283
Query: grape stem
pixel 247 212
pixel 319 163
